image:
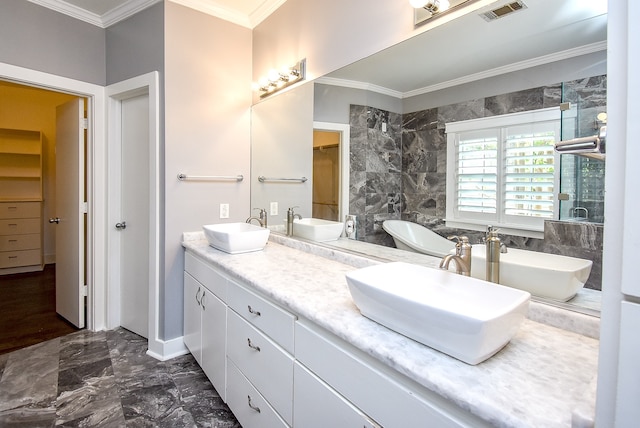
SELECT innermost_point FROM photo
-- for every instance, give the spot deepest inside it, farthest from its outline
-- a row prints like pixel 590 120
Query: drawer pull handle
pixel 256 408
pixel 251 311
pixel 252 346
pixel 202 300
pixel 15 257
pixel 12 208
pixel 198 296
pixel 13 240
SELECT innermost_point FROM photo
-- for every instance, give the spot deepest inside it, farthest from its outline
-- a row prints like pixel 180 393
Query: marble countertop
pixel 537 380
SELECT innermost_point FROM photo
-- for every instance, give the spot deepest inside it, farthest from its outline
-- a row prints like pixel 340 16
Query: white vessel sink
pixel 544 275
pixel 315 229
pixel 235 238
pixel 461 316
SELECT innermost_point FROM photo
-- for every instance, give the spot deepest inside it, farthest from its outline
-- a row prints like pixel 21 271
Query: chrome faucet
pixel 494 248
pixel 262 217
pixel 462 257
pixel 290 217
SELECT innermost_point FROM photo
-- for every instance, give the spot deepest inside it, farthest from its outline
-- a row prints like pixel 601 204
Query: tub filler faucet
pixel 462 257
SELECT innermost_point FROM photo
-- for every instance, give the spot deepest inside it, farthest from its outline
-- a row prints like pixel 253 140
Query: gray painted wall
pixel 44 40
pixel 135 46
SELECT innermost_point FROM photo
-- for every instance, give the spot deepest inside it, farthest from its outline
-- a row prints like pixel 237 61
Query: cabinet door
pixel 317 405
pixel 214 333
pixel 192 316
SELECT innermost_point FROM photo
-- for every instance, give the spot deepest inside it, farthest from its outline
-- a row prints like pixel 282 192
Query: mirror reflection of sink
pixel 315 229
pixel 235 238
pixel 463 317
pixel 545 275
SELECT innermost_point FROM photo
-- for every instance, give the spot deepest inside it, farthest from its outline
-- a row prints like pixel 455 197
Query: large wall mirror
pixel 394 106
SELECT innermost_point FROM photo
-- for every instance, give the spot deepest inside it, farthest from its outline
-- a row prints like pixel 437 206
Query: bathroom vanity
pixel 277 333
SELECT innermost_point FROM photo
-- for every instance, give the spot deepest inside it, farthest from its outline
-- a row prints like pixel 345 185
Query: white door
pixel 134 217
pixel 69 220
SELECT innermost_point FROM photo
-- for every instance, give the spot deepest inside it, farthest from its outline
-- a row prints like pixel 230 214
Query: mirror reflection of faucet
pixel 290 217
pixel 462 257
pixel 262 217
pixel 494 248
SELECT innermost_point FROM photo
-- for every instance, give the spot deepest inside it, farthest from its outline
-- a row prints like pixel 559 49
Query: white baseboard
pixel 164 350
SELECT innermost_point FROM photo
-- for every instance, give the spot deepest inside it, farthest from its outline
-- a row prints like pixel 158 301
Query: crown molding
pixel 70 10
pixel 126 10
pixel 116 15
pixel 522 65
pixel 354 84
pixel 517 66
pixel 265 9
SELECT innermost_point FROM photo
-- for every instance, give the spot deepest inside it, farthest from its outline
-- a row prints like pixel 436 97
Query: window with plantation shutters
pixel 503 170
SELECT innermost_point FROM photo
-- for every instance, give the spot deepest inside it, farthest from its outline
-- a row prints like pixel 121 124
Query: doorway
pixel 331 170
pixel 29 110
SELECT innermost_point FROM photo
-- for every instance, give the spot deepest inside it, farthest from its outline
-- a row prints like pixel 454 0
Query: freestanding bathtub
pixel 414 237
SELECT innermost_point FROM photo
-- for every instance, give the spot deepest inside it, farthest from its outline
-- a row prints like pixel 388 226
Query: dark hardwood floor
pixel 28 310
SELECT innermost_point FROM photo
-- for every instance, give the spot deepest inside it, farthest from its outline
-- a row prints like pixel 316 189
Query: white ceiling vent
pixel 503 10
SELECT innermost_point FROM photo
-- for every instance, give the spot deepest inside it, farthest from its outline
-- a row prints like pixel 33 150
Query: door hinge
pixel 85 123
pixel 85 290
pixel 84 207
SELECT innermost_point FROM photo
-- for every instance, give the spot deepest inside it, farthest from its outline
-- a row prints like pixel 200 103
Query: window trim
pixel 452 129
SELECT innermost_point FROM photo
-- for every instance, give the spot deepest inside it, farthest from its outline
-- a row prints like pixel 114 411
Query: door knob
pixel 121 226
pixel 54 220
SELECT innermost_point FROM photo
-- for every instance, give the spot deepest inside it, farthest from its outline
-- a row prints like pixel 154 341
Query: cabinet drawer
pixel 20 242
pixel 11 259
pixel 273 321
pixel 19 210
pixel 316 405
pixel 360 378
pixel 206 275
pixel 19 226
pixel 246 403
pixel 268 367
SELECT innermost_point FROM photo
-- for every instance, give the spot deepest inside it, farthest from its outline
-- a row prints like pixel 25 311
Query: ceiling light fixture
pixel 432 6
pixel 278 80
pixel 427 10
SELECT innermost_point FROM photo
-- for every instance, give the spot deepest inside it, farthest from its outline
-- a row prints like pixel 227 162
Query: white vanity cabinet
pixel 282 371
pixel 205 316
pixel 259 349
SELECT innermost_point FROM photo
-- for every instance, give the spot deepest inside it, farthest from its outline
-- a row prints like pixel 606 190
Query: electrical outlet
pixel 273 208
pixel 224 210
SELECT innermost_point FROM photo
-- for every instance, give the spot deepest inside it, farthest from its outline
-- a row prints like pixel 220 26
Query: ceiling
pixel 104 13
pixel 469 48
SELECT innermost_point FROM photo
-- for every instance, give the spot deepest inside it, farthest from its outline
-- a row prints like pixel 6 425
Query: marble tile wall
pixel 375 171
pixel 401 172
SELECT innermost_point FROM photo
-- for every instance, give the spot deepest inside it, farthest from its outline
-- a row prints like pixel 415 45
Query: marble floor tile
pixel 105 379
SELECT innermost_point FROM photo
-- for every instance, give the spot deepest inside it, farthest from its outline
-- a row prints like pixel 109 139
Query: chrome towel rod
pixel 183 177
pixel 262 179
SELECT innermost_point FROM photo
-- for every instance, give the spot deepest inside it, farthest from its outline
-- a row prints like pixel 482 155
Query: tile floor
pixel 105 379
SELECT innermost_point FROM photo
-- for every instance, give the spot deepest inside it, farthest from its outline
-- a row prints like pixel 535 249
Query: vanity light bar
pixel 278 80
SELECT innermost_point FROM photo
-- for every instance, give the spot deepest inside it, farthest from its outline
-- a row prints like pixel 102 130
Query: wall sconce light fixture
pixel 278 80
